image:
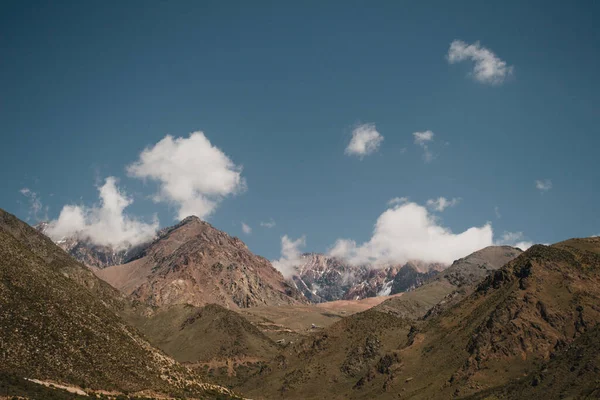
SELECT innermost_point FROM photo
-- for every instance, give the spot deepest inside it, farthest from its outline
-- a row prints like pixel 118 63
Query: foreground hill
pixel 208 334
pixel 57 323
pixel 194 263
pixel 536 317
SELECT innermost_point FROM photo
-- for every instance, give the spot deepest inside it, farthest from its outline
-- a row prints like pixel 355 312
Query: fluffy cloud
pixel 515 239
pixel 290 255
pixel 423 139
pixel 488 67
pixel 408 232
pixel 543 185
pixel 192 174
pixel 246 229
pixel 441 203
pixel 104 224
pixel 365 140
pixel 35 205
pixel 268 224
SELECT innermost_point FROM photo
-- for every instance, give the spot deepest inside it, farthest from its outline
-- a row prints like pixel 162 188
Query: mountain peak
pixel 196 263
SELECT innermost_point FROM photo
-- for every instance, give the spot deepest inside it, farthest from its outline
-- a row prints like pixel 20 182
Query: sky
pixel 375 131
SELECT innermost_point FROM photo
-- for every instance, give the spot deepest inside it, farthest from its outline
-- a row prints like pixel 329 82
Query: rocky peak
pixel 193 262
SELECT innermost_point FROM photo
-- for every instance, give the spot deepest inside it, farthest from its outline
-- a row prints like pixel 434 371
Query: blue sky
pixel 279 89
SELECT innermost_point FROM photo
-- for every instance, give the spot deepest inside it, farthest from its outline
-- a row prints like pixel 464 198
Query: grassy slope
pixel 57 322
pixel 192 334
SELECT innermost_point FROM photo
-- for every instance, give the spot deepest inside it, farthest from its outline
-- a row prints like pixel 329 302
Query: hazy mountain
pixel 195 263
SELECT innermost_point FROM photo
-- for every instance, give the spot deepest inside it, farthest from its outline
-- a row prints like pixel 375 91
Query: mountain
pixel 324 278
pixel 195 263
pixel 531 323
pixel 58 324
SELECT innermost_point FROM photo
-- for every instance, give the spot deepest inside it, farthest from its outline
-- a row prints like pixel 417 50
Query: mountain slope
pixel 191 334
pixel 523 315
pixel 574 373
pixel 52 327
pixel 194 263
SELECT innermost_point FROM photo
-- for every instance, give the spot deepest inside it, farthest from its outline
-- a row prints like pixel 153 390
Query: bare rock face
pixel 194 263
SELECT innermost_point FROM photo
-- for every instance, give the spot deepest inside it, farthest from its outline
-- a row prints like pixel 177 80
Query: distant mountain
pixel 59 323
pixel 93 255
pixel 195 263
pixel 323 278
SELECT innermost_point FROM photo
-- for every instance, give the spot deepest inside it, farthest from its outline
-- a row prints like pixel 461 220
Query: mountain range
pixel 195 314
pixel 146 271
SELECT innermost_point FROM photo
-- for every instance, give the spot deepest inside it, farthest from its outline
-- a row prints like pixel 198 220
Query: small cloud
pixel 497 212
pixel 290 255
pixel 488 67
pixel 515 239
pixel 246 229
pixel 268 224
pixel 403 150
pixel 365 140
pixel 105 224
pixel 35 205
pixel 543 185
pixel 397 200
pixel 423 139
pixel 441 203
pixel 192 174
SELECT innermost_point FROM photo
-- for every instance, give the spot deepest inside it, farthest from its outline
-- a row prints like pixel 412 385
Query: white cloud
pixel 515 239
pixel 408 232
pixel 543 185
pixel 104 224
pixel 441 203
pixel 290 255
pixel 488 67
pixel 268 224
pixel 35 205
pixel 365 140
pixel 422 139
pixel 193 174
pixel 397 200
pixel 246 229
pixel 497 212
